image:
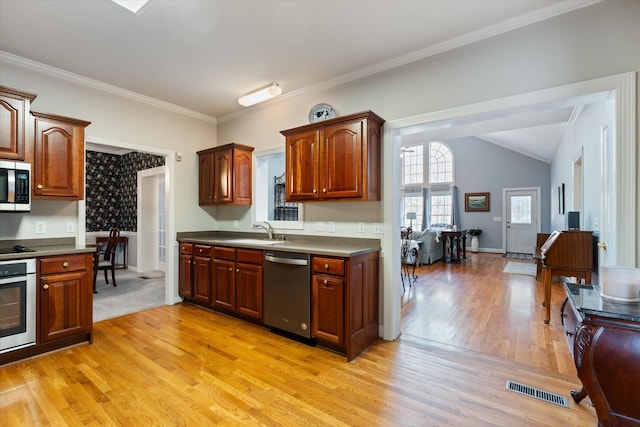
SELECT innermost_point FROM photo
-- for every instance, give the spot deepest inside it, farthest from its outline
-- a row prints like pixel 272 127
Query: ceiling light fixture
pixel 134 6
pixel 267 92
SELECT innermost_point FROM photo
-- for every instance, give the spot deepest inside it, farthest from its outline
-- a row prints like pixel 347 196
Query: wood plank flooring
pixel 182 365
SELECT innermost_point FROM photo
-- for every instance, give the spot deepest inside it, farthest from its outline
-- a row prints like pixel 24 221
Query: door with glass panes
pixel 522 220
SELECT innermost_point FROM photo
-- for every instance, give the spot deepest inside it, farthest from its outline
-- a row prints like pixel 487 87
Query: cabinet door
pixel 328 309
pixel 185 282
pixel 224 284
pixel 59 159
pixel 249 290
pixel 202 279
pixel 302 151
pixel 205 174
pixel 223 176
pixel 14 112
pixel 341 161
pixel 242 179
pixel 65 305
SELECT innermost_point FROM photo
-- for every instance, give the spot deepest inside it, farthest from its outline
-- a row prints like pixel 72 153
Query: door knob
pixel 65 264
pixel 602 246
pixel 39 186
pixel 45 287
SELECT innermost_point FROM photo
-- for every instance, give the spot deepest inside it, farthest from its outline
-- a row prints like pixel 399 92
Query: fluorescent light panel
pixel 131 5
pixel 269 91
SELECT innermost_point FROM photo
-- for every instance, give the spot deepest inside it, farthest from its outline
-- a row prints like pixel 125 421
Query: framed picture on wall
pixel 476 202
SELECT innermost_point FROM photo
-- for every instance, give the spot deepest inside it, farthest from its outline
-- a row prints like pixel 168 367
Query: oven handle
pixel 291 261
pixel 12 280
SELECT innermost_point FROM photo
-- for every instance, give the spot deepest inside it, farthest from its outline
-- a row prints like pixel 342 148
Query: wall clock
pixel 320 112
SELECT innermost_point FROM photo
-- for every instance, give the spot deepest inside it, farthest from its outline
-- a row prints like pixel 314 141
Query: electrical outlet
pixel 41 227
pixel 378 228
pixel 320 226
pixel 361 227
pixel 71 227
pixel 331 227
pixel 235 223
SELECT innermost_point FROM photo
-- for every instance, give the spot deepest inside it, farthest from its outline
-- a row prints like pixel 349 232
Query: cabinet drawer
pixel 220 252
pixel 63 263
pixel 249 256
pixel 202 250
pixel 328 266
pixel 186 248
pixel 570 319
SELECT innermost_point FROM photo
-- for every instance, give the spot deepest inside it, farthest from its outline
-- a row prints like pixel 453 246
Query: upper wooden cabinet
pixel 58 158
pixel 15 106
pixel 337 159
pixel 225 175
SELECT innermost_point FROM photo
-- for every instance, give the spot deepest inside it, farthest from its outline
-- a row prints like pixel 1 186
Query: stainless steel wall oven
pixel 17 304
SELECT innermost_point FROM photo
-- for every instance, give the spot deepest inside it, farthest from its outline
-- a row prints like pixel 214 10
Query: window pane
pixel 412 165
pixel 441 209
pixel 412 204
pixel 440 163
pixel 520 209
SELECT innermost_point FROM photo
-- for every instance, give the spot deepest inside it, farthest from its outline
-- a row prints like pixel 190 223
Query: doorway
pixel 152 241
pixel 522 219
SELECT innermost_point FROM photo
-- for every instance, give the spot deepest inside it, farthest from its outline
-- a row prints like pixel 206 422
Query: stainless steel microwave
pixel 15 186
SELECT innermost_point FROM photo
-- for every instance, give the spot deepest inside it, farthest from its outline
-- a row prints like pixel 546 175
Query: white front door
pixel 522 213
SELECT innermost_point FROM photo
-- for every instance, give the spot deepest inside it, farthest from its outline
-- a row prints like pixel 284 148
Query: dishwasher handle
pixel 291 261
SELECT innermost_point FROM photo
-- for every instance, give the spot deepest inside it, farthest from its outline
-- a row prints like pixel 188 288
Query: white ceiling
pixel 199 56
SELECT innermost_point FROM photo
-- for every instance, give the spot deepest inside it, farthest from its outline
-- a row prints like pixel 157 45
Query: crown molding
pixel 48 70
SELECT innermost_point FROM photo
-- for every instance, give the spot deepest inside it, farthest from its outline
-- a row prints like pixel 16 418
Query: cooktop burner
pixel 15 250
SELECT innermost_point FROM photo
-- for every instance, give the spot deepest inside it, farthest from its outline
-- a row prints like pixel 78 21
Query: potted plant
pixel 474 233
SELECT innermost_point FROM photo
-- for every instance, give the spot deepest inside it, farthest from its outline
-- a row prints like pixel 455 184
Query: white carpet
pixel 135 292
pixel 520 268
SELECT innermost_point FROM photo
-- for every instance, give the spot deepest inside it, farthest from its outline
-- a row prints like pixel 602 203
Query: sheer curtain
pixel 425 208
pixel 454 206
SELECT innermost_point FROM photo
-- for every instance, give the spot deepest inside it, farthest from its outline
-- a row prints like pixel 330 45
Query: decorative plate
pixel 320 112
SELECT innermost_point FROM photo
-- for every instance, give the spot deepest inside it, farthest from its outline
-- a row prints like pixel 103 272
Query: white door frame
pixel 624 86
pixel 171 285
pixel 160 170
pixel 538 192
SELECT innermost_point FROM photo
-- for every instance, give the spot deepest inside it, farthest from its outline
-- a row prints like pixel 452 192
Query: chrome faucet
pixel 268 228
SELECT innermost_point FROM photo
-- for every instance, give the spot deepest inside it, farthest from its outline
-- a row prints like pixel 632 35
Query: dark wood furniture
pixel 58 157
pixel 122 242
pixel 537 253
pixel 345 302
pixel 106 258
pixel 337 159
pixel 565 253
pixel 15 106
pixel 454 245
pixel 185 271
pixel 225 175
pixel 606 352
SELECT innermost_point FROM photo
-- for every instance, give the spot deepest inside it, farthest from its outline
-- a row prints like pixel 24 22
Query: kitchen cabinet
pixel 58 158
pixel 345 295
pixel 202 274
pixel 15 116
pixel 65 297
pixel 237 281
pixel 337 159
pixel 185 271
pixel 225 175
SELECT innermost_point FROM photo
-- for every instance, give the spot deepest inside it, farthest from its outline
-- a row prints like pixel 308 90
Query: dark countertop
pixel 316 245
pixel 587 300
pixel 43 247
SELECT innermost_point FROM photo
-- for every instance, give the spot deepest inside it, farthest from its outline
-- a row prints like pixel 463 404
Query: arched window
pixel 427 170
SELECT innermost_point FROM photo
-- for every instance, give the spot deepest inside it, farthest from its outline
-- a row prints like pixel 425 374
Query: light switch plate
pixel 378 228
pixel 235 223
pixel 361 227
pixel 71 227
pixel 331 227
pixel 320 226
pixel 41 227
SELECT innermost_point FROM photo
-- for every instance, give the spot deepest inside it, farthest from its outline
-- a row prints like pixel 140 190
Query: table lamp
pixel 411 216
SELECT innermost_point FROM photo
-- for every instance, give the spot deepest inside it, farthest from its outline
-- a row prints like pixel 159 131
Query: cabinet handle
pixel 45 287
pixel 237 270
pixel 200 250
pixel 39 186
pixel 230 268
pixel 569 333
pixel 324 281
pixel 315 191
pixel 326 266
pixel 65 264
pixel 324 190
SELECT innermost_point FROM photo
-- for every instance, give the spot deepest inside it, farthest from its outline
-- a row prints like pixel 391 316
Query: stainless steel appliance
pixel 15 186
pixel 287 292
pixel 17 304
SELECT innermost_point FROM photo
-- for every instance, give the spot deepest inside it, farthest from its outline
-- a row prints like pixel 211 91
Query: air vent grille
pixel 537 393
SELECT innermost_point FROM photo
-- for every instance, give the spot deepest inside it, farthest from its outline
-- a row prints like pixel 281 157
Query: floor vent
pixel 536 393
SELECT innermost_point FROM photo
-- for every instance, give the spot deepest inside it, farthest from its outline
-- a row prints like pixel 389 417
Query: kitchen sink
pixel 255 241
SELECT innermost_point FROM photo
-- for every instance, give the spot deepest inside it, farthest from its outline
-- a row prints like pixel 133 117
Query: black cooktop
pixel 15 250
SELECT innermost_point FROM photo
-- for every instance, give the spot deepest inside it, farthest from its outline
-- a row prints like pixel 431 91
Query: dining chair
pixel 106 259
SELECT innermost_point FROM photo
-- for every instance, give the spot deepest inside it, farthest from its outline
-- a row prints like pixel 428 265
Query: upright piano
pixel 565 253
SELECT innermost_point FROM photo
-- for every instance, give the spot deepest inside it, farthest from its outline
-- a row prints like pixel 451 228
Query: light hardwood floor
pixel 182 365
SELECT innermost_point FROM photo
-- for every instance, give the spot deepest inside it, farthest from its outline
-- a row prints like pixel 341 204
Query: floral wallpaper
pixel 111 192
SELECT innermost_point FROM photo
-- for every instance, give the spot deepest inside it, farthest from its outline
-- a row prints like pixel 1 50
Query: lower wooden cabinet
pixel 185 270
pixel 202 274
pixel 345 302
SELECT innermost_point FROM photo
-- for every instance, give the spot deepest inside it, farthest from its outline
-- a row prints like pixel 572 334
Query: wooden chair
pixel 106 259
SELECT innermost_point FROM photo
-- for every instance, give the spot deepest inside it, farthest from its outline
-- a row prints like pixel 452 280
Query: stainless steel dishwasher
pixel 287 292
